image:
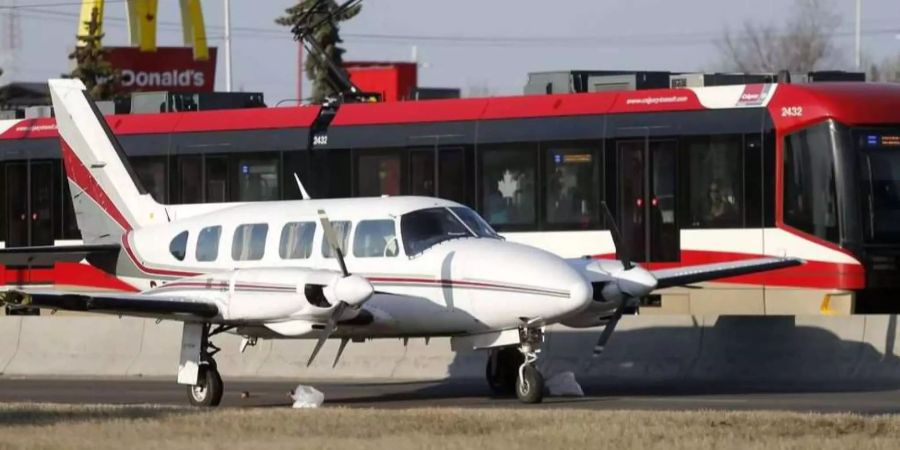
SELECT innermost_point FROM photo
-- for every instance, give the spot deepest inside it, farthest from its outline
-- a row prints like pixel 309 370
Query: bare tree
pixel 803 43
pixel 887 70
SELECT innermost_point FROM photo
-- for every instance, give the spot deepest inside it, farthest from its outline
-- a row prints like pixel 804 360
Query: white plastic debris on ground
pixel 307 397
pixel 563 384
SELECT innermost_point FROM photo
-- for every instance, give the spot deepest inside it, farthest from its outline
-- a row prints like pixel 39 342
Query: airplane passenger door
pixel 646 199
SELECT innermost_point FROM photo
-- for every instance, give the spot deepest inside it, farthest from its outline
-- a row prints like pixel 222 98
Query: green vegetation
pixel 327 35
pixel 99 427
pixel 91 67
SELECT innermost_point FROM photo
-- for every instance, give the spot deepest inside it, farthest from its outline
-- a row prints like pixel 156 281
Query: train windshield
pixel 879 161
pixel 427 227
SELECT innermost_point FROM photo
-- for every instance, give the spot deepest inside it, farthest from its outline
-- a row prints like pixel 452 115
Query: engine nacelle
pixel 274 294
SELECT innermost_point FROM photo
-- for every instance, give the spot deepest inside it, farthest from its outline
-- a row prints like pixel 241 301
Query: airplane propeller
pixel 631 282
pixel 350 290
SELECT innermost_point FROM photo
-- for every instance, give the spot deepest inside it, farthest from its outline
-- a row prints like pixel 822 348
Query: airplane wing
pixel 42 256
pixel 694 274
pixel 116 303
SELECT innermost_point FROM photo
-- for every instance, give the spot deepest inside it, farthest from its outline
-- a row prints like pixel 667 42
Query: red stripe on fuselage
pixel 471 284
pixel 81 176
pixel 150 270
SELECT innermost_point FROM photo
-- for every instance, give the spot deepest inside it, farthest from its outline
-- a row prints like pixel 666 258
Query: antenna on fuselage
pixel 303 192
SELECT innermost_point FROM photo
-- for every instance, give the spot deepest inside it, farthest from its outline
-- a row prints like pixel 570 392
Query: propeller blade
pixel 604 336
pixel 340 351
pixel 326 332
pixel 610 327
pixel 331 237
pixel 621 248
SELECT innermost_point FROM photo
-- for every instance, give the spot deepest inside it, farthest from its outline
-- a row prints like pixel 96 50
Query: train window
pixel 810 196
pixel 208 243
pixel 296 240
pixel 216 179
pixel 190 179
pixel 375 238
pixel 570 185
pixel 178 245
pixel 508 185
pixel 446 180
pixel 715 182
pixel 258 179
pixel 342 230
pixel 379 175
pixel 151 172
pixel 249 242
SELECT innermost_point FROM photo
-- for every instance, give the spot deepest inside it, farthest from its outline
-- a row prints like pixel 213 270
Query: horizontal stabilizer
pixel 46 256
pixel 694 274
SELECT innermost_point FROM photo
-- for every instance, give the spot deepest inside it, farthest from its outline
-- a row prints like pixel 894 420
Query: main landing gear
pixel 512 370
pixel 209 388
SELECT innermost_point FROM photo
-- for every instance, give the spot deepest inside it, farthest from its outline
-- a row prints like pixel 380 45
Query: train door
pixel 646 203
pixel 438 171
pixel 29 190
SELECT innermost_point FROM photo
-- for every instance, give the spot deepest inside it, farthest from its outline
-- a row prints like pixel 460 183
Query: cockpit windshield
pixel 475 222
pixel 424 228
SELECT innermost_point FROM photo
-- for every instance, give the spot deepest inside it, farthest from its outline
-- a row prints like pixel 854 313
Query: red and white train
pixel 692 175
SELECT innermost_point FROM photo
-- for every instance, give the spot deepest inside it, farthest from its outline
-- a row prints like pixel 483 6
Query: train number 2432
pixel 792 111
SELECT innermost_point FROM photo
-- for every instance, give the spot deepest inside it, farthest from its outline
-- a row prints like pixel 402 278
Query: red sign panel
pixel 167 69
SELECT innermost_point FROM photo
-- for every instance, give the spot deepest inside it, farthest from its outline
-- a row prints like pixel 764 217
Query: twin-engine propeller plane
pixel 351 269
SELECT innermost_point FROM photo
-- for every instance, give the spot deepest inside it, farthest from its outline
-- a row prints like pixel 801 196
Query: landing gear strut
pixel 512 369
pixel 209 388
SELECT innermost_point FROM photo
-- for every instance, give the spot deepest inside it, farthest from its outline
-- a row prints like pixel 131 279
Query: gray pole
pixel 228 45
pixel 858 34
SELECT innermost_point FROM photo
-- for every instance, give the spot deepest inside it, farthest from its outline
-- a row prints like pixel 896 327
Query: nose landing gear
pixel 512 369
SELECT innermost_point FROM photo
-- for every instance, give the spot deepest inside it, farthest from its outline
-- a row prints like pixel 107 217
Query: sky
pixel 484 47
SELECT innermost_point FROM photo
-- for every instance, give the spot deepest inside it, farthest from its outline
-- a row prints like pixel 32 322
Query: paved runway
pixel 443 394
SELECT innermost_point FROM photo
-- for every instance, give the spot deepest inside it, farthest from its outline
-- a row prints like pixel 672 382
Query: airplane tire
pixel 530 387
pixel 208 392
pixel 501 372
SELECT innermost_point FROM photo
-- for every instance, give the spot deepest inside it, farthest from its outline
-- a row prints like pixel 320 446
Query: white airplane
pixel 407 267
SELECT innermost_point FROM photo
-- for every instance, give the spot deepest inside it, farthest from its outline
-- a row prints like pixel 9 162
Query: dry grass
pixel 98 427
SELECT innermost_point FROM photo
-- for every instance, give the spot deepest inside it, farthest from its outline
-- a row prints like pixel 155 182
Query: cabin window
pixel 342 230
pixel 571 185
pixel 379 175
pixel 810 199
pixel 249 242
pixel 208 243
pixel 715 182
pixel 508 185
pixel 178 245
pixel 296 240
pixel 258 180
pixel 375 238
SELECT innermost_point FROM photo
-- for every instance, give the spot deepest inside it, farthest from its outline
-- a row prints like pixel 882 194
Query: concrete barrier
pixel 784 352
pixel 9 337
pixel 76 346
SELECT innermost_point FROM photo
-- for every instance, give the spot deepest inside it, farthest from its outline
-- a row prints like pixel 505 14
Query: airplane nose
pixel 581 294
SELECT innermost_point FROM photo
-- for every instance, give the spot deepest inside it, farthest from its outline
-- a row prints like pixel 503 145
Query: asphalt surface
pixel 472 394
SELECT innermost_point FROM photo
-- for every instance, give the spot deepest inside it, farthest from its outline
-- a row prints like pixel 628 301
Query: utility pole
pixel 228 45
pixel 858 34
pixel 299 73
pixel 10 38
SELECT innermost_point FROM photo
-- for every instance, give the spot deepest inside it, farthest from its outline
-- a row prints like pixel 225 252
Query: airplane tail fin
pixel 107 197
